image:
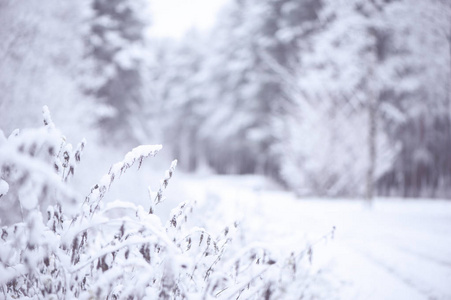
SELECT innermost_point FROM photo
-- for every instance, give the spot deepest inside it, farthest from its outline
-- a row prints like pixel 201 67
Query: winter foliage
pixel 57 244
pixel 40 52
pixel 327 98
pixel 115 46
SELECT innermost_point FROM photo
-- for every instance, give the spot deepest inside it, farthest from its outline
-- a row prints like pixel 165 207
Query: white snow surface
pixel 4 187
pixel 397 249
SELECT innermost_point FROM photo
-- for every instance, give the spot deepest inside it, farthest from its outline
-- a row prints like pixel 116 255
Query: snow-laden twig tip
pixel 116 170
pixel 47 117
pixel 158 197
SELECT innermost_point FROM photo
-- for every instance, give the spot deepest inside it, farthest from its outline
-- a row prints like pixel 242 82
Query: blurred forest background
pixel 330 98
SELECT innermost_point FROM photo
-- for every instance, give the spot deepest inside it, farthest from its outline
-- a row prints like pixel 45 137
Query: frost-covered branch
pixel 61 247
pixel 156 198
pixel 136 155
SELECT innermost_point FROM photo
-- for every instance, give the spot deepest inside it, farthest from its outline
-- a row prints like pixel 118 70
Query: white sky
pixel 172 18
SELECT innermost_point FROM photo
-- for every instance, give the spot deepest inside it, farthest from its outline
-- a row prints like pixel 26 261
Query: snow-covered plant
pixel 36 204
pixel 54 245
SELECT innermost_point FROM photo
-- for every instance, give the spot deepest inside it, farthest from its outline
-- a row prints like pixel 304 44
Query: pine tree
pixel 181 93
pixel 115 45
pixel 253 41
pixel 40 60
pixel 422 95
pixel 338 84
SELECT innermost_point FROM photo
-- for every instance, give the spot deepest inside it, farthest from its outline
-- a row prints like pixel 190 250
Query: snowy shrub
pixel 54 245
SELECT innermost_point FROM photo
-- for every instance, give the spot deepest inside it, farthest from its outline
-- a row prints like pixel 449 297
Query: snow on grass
pixel 4 187
pixel 230 232
pixel 400 249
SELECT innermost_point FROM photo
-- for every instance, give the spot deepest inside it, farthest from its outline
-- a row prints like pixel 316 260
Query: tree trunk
pixel 372 135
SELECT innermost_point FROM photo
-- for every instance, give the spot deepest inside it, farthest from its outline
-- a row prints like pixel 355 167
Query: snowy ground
pixel 397 250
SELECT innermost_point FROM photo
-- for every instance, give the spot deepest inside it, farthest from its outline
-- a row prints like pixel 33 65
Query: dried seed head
pixel 271 261
pixel 122 231
pixel 310 254
pixel 189 243
pixel 174 221
pixel 201 238
pixel 66 158
pixel 4 234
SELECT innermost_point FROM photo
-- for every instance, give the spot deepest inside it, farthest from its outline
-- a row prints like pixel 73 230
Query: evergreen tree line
pixel 330 97
pixel 327 97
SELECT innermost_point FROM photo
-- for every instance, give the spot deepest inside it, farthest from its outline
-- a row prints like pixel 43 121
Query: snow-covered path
pixel 397 250
pixel 400 250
